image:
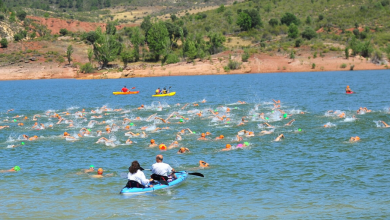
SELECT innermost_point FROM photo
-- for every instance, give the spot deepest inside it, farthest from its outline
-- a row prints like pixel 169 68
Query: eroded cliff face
pixel 8 30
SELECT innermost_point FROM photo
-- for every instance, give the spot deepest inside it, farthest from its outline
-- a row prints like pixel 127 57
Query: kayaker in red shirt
pixel 124 89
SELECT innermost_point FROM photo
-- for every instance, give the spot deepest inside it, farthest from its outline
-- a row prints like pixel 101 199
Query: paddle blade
pixel 133 88
pixel 196 174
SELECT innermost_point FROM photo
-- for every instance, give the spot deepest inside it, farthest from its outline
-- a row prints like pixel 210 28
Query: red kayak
pixel 349 92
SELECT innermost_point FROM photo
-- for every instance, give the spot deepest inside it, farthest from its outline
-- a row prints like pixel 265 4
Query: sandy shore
pixel 258 63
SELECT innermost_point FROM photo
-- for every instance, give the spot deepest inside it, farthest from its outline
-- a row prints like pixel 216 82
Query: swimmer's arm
pixel 189 130
pixel 184 106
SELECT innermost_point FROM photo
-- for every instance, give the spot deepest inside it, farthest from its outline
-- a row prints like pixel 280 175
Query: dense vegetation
pixel 361 27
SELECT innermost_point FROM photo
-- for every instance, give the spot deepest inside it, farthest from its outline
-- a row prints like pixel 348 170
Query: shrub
pixel 315 55
pixel 17 37
pixel 293 31
pixel 226 68
pixel 351 67
pixel 63 31
pixel 4 43
pixel 221 9
pixel 346 51
pixel 245 56
pixel 292 54
pixel 344 65
pixel 313 65
pixel 172 58
pixel 298 42
pixel 309 33
pixel 289 18
pixel 1 17
pixel 233 65
pixel 273 22
pixel 21 15
pixel 320 17
pixel 377 57
pixel 86 68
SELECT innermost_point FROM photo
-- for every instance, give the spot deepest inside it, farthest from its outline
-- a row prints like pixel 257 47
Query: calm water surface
pixel 315 173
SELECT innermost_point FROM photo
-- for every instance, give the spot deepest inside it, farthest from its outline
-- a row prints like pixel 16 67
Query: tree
pixel 136 39
pixel 21 15
pixel 346 51
pixel 69 53
pixel 308 20
pixel 63 4
pixel 190 50
pixel 126 57
pixel 273 22
pixel 293 31
pixel 79 5
pixel 90 54
pixel 110 28
pixel 221 9
pixel 309 33
pixel 255 18
pixel 244 21
pixel 12 17
pixel 63 31
pixel 4 43
pixel 215 42
pixel 92 36
pixel 289 18
pixel 157 38
pixel 106 48
pixel 173 17
pixel 107 3
pixel 146 25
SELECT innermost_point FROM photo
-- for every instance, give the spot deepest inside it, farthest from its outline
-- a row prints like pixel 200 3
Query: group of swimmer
pixel 161 171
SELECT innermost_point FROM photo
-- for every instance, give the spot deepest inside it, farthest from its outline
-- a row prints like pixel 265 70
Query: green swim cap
pixel 174 116
pixel 272 111
pixel 22 143
pixel 16 168
pixel 89 129
pixel 131 124
pixel 266 118
pixel 235 107
pixel 92 166
pixel 15 120
pixel 299 129
pixel 285 115
pixel 194 132
pixel 181 120
pixel 228 122
pixel 246 143
pixel 215 110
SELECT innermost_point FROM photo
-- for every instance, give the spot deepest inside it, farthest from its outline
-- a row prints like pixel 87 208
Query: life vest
pixel 164 91
pixel 157 91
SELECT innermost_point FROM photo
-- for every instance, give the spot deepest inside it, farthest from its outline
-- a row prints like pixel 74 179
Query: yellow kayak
pixel 125 93
pixel 168 94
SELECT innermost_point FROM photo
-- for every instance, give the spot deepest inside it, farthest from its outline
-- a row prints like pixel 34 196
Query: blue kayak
pixel 181 176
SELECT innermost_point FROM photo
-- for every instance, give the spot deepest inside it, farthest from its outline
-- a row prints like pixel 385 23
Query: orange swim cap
pixel 25 117
pixel 66 133
pixel 221 136
pixel 357 138
pixel 182 149
pixel 251 133
pixel 228 146
pixel 203 135
pixel 127 127
pixel 100 171
pixel 207 133
pixel 162 147
pixel 152 141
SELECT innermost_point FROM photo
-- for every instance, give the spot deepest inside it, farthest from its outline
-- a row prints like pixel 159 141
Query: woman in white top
pixel 136 177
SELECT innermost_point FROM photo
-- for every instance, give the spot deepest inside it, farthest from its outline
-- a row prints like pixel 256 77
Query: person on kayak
pixel 164 91
pixel 124 89
pixel 348 90
pixel 158 91
pixel 161 170
pixel 136 178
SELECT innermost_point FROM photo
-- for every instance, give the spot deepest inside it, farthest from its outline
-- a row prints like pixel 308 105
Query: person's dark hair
pixel 134 167
pixel 124 86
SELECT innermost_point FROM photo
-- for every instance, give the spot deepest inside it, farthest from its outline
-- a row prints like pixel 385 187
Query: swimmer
pixel 42 126
pixel 385 124
pixel 102 139
pixel 202 137
pixel 163 120
pixel 348 89
pixel 203 164
pixel 151 117
pixel 195 104
pixel 276 102
pixel 173 145
pixel 241 102
pixel 354 139
pixel 279 137
pixel 13 169
pixel 268 125
pixel 25 137
pixel 238 138
pixel 66 134
pixel 342 115
pixel 227 148
pixel 141 107
pixel 128 141
pixel 184 106
pixel 35 125
pixel 35 117
pixel 204 101
pixel 152 143
pixel 33 138
pixel 162 146
pixel 5 126
pixel 9 110
pixel 100 174
pixel 249 134
pixel 290 122
pixel 267 132
pixel 91 169
pixel 183 150
pixel 220 137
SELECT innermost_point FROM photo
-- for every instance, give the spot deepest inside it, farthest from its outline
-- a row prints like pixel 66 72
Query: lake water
pixel 312 173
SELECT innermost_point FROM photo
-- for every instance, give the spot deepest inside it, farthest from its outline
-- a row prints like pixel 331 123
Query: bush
pixel 245 56
pixel 343 65
pixel 309 33
pixel 293 31
pixel 1 17
pixel 63 31
pixel 289 18
pixel 320 17
pixel 21 15
pixel 298 42
pixel 273 22
pixel 377 57
pixel 4 43
pixel 17 37
pixel 172 58
pixel 313 65
pixel 346 51
pixel 86 68
pixel 234 65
